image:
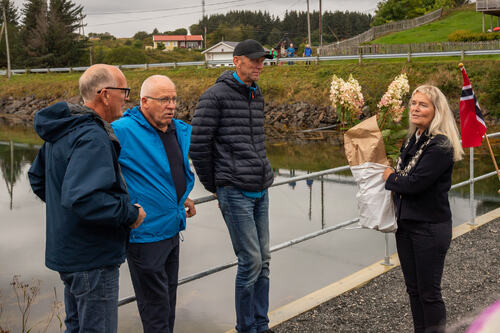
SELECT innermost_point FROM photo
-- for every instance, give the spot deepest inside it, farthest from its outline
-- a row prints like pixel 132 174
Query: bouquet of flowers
pixel 391 110
pixel 368 146
pixel 347 98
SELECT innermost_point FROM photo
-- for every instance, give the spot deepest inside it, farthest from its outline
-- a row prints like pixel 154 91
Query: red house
pixel 181 41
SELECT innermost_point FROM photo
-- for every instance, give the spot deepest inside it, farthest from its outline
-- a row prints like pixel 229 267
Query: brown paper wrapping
pixel 364 143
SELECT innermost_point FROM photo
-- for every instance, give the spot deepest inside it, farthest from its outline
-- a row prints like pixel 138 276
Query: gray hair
pixel 94 80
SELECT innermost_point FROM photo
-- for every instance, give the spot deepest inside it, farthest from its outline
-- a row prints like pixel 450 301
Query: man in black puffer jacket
pixel 229 154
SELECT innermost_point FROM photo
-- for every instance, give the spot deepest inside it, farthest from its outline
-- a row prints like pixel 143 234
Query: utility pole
pixel 308 25
pixel 6 42
pixel 320 26
pixel 204 24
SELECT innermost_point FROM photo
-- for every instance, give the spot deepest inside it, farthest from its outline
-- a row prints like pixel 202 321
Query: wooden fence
pixel 416 48
pixel 381 30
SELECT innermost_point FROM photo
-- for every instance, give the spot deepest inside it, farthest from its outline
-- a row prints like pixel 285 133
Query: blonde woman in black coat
pixel 420 185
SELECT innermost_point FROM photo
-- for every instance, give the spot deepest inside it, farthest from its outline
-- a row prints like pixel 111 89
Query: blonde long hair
pixel 443 121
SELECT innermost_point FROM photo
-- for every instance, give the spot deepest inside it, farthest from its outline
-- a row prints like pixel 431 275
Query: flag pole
pixel 460 65
pixel 493 158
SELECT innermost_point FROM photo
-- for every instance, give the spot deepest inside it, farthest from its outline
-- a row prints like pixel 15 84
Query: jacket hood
pixel 59 119
pixel 228 78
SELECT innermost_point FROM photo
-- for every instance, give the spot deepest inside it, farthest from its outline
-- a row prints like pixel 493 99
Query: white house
pixel 222 51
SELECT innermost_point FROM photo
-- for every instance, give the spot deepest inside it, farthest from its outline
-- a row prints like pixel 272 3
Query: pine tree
pixel 65 45
pixel 34 33
pixel 10 12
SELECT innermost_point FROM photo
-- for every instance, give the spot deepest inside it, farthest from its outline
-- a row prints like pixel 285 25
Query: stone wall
pixel 282 117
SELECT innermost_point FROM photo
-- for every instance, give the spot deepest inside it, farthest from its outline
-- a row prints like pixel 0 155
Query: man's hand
pixel 190 209
pixel 387 173
pixel 140 217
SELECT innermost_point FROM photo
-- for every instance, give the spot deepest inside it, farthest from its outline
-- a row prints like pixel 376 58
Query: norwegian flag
pixel 471 118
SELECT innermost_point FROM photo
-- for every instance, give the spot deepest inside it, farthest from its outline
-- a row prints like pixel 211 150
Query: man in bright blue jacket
pixel 89 214
pixel 155 165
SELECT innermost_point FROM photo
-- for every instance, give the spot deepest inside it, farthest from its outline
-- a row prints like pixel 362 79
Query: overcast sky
pixel 123 18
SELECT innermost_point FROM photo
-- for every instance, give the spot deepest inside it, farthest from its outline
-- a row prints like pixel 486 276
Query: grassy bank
pixel 465 18
pixel 289 84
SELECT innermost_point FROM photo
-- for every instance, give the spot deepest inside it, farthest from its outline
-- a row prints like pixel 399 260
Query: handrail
pixel 294 59
pixel 289 243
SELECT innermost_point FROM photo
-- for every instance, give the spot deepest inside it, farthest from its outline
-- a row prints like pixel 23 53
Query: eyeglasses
pixel 126 90
pixel 164 100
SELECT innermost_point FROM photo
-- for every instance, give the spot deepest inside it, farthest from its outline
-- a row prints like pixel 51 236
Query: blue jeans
pixel 91 300
pixel 247 220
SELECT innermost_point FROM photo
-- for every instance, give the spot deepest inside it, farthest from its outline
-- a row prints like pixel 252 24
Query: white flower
pixel 392 101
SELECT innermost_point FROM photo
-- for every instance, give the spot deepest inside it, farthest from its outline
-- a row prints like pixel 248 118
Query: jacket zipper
pixel 250 97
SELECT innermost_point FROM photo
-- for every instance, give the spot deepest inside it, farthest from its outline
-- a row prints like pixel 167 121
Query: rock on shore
pixel 282 117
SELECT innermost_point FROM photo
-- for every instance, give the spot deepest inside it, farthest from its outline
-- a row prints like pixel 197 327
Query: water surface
pixel 207 305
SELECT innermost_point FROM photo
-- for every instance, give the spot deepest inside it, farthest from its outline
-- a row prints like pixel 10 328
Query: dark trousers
pixel 154 269
pixel 422 248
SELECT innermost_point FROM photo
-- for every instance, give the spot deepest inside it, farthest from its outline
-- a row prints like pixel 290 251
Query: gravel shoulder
pixel 470 284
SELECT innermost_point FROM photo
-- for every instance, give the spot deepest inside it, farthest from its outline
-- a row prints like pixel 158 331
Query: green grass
pixel 290 84
pixel 438 31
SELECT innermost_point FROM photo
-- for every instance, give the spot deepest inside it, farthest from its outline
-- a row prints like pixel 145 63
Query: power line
pixel 162 10
pixel 172 15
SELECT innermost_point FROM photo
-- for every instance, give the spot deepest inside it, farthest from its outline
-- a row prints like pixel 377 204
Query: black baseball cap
pixel 251 49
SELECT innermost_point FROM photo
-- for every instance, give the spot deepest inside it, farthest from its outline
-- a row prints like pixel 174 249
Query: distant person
pixel 307 53
pixel 290 52
pixel 274 55
pixel 155 164
pixel 89 214
pixel 229 154
pixel 282 52
pixel 420 183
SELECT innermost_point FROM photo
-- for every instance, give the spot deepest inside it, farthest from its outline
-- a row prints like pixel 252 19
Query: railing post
pixel 360 55
pixel 471 187
pixel 322 204
pixel 463 55
pixel 387 257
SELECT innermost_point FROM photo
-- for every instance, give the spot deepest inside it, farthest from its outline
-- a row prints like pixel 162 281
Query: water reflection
pixel 12 160
pixel 207 305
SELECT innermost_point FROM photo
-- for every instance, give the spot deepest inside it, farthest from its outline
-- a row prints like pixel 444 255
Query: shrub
pixel 492 92
pixel 125 55
pixel 469 36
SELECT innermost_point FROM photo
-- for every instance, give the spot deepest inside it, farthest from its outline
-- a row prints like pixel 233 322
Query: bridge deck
pixel 470 284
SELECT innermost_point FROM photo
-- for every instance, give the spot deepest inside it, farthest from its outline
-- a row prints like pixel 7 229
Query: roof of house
pixel 173 38
pixel 230 45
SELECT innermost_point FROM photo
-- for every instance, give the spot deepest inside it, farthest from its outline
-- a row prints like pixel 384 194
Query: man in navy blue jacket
pixel 89 213
pixel 154 160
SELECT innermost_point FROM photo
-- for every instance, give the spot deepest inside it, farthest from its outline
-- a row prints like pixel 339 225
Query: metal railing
pixel 228 63
pixel 482 5
pixel 326 230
